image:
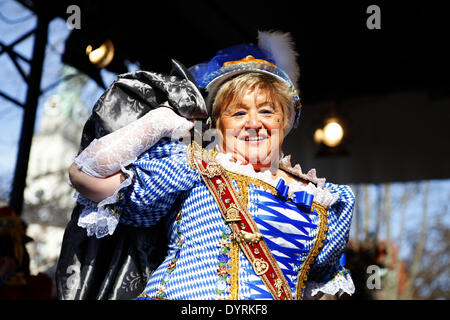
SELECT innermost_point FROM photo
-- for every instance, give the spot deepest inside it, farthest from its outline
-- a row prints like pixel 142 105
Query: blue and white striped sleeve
pixel 160 175
pixel 153 183
pixel 328 273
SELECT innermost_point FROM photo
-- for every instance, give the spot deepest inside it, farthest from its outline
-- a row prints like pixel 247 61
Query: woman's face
pixel 252 129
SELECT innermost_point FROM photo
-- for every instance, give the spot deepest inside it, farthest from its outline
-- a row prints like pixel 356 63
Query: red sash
pixel 242 224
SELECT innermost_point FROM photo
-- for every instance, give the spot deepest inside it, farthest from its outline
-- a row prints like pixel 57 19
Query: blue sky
pixel 15 21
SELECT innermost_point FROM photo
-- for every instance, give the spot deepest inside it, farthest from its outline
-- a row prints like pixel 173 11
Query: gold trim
pixel 250 237
pixel 145 295
pixel 194 150
pixel 243 181
pixel 198 155
pixel 232 213
pixel 234 271
pixel 212 170
pixel 190 156
pixel 260 266
pixel 314 252
pixel 247 59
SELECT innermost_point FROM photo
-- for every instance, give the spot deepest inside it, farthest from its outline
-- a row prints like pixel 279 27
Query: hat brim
pixel 213 87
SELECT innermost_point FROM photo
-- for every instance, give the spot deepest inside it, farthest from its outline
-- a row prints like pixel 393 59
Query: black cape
pixel 118 266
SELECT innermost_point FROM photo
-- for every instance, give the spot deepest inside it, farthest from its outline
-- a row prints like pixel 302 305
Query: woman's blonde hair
pixel 235 88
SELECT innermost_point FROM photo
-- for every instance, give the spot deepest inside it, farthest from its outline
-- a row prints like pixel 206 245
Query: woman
pixel 246 225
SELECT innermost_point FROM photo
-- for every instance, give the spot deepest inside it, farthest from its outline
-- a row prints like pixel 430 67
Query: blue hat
pixel 274 55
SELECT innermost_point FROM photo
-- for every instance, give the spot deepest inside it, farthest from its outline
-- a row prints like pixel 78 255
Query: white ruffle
pixel 321 195
pixel 340 284
pixel 285 164
pixel 100 218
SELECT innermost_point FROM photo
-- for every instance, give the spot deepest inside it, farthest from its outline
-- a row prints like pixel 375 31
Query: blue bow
pixel 302 199
pixel 283 189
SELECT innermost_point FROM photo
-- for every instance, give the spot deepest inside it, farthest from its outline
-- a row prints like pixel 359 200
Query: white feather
pixel 282 48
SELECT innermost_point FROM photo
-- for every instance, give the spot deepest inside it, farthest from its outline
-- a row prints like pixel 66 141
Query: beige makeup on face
pixel 252 128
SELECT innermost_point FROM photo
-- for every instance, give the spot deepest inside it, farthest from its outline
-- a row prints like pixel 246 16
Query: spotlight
pixel 332 133
pixel 101 56
pixel 318 136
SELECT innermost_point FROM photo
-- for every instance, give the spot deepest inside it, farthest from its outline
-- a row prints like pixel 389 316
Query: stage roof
pixel 338 55
pixel 392 83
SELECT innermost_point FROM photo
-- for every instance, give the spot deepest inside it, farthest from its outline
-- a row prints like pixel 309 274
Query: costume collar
pixel 315 186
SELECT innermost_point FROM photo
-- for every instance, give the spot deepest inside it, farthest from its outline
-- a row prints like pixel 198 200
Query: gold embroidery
pixel 221 189
pixel 232 213
pixel 234 271
pixel 248 59
pixel 243 182
pixel 190 156
pixel 278 285
pixel 260 266
pixel 250 237
pixel 194 150
pixel 212 170
pixel 318 244
pixel 145 295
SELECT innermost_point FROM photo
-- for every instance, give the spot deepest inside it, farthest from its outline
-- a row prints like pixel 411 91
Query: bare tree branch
pixel 403 203
pixel 408 294
pixel 356 211
pixel 380 212
pixel 366 213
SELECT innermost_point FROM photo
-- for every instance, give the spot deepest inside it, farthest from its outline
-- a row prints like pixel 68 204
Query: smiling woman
pixel 252 113
pixel 242 223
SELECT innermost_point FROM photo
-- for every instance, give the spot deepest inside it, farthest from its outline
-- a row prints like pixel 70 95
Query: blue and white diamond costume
pixel 203 261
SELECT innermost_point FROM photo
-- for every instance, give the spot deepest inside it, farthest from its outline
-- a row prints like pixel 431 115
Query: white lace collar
pixel 321 195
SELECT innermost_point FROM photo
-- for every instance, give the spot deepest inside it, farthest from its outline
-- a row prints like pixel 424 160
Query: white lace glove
pixel 105 156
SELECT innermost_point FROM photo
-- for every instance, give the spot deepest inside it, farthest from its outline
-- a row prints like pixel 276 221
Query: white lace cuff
pixel 104 156
pixel 341 283
pixel 102 218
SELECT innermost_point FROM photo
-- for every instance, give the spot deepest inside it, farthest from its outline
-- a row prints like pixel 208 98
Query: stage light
pixel 101 56
pixel 332 133
pixel 318 136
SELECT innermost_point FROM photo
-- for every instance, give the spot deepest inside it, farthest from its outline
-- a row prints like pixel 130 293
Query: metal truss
pixel 33 82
